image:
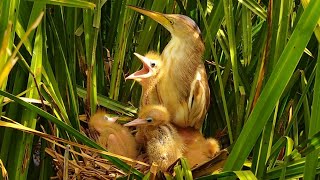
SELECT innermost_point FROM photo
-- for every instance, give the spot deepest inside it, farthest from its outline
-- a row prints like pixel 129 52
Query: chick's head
pixel 151 66
pixel 151 115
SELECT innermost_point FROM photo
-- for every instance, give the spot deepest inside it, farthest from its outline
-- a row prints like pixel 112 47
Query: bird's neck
pixel 183 51
pixel 181 57
pixel 159 131
pixel 149 91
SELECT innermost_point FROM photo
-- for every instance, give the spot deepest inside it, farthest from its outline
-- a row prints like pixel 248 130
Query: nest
pixel 76 161
pixel 87 163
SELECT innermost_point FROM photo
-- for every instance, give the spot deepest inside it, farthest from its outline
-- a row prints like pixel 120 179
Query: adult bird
pixel 183 86
pixel 113 136
pixel 163 144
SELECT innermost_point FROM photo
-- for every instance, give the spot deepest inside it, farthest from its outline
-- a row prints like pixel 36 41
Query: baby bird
pixel 113 136
pixel 148 77
pixel 198 150
pixel 163 144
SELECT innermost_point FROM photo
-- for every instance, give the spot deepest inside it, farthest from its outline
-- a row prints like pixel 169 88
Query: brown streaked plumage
pixel 113 136
pixel 163 144
pixel 183 88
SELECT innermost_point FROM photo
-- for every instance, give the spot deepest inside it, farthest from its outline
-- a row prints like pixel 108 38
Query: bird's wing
pixel 199 98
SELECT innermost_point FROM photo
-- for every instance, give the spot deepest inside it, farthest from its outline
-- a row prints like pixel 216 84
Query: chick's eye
pixel 171 22
pixel 152 64
pixel 149 119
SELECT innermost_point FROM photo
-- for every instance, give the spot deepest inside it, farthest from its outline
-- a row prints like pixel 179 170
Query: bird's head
pixel 100 120
pixel 178 25
pixel 151 115
pixel 151 66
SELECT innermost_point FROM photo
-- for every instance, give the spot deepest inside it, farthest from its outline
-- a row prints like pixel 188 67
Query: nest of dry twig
pixel 76 161
pixel 89 164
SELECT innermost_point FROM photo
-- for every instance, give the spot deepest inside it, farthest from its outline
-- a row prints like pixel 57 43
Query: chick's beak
pixel 111 119
pixel 159 17
pixel 136 122
pixel 146 70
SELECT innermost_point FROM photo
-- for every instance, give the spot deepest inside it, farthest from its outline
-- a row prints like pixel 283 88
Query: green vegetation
pixel 61 60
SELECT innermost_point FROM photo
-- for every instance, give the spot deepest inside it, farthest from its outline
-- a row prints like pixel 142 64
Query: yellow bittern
pixel 163 144
pixel 198 149
pixel 113 136
pixel 148 77
pixel 183 87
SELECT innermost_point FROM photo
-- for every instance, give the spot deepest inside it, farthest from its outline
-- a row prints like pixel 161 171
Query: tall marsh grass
pixel 61 60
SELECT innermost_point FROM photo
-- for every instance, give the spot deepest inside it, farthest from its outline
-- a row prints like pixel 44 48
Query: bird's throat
pixel 181 58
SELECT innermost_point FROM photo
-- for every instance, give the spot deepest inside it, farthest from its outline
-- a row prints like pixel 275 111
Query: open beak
pixel 136 122
pixel 159 17
pixel 146 70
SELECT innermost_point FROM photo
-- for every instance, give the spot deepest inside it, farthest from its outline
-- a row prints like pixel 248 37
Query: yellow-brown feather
pixel 163 144
pixel 113 136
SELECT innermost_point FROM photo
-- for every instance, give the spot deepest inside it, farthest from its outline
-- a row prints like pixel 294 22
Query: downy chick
pixel 198 149
pixel 163 144
pixel 148 77
pixel 113 136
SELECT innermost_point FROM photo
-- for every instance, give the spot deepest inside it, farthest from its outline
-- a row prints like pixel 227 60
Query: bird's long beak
pixel 159 17
pixel 136 122
pixel 146 70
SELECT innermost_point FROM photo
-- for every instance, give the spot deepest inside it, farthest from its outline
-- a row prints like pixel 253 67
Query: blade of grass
pixel 110 103
pixel 306 104
pixel 255 8
pixel 246 35
pixel 64 143
pixel 24 141
pixel 294 169
pixel 274 87
pixel 69 3
pixel 34 14
pixel 124 27
pixel 288 151
pixel 317 29
pixel 9 13
pixel 310 145
pixel 13 59
pixel 21 32
pixel 218 74
pixel 314 126
pixel 229 18
pixel 242 175
pixel 90 60
pixel 214 21
pixel 72 131
pixel 266 145
pixel 303 96
pixel 12 111
pixel 72 95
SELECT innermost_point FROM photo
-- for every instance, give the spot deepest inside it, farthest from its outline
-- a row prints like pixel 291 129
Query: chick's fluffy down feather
pixel 113 136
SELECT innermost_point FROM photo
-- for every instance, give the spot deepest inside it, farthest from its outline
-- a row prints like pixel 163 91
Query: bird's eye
pixel 171 22
pixel 152 64
pixel 149 119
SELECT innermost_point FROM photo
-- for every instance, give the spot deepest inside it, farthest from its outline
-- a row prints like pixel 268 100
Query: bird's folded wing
pixel 199 98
